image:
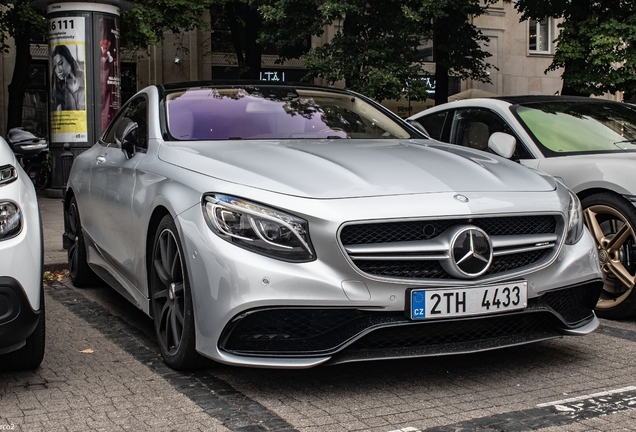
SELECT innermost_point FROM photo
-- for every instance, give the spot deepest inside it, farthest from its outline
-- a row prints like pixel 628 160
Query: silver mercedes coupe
pixel 289 226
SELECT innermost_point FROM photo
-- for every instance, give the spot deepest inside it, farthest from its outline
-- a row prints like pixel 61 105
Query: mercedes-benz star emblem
pixel 470 253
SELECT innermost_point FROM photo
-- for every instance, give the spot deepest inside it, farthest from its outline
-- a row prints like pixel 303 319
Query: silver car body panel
pixel 358 169
pixel 328 183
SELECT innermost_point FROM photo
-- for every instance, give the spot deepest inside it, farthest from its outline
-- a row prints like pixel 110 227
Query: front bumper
pixel 248 307
pixel 347 335
pixel 17 319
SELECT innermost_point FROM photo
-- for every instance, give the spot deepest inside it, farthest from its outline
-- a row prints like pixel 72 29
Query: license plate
pixel 429 304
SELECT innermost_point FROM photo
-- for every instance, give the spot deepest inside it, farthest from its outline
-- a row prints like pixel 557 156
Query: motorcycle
pixel 32 151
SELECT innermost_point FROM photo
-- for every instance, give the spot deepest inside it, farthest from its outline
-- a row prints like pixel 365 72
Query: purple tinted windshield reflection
pixel 204 114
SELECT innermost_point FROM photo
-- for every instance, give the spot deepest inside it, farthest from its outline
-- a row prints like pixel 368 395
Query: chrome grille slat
pixel 521 241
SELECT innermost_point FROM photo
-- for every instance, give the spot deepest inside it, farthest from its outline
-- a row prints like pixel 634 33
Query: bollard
pixel 67 162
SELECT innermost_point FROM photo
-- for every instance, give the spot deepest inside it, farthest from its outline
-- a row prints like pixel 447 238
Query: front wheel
pixel 171 300
pixel 79 270
pixel 32 353
pixel 612 221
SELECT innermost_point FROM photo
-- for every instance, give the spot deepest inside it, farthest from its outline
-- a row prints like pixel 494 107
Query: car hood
pixel 353 168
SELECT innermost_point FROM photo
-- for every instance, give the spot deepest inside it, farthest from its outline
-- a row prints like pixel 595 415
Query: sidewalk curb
pixel 53 267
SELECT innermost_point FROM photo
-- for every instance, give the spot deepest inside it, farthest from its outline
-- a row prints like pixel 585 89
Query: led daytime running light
pixel 262 229
pixel 7 174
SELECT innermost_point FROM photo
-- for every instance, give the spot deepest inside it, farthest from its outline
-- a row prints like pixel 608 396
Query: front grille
pixel 351 333
pixel 430 269
pixel 534 242
pixel 387 232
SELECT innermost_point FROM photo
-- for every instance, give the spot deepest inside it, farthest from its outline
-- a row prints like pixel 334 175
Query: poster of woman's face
pixel 67 80
pixel 68 114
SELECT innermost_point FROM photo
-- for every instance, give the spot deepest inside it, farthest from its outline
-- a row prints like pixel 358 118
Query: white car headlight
pixel 575 220
pixel 7 174
pixel 10 220
pixel 258 228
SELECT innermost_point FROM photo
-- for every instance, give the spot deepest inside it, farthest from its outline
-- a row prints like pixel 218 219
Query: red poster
pixel 109 70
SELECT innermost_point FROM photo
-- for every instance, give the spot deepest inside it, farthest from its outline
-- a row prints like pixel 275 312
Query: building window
pixel 539 37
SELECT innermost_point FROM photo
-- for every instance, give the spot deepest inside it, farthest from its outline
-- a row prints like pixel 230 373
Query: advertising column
pixel 85 77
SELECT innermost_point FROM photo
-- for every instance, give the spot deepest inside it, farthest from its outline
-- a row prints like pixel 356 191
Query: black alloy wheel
pixel 79 270
pixel 171 300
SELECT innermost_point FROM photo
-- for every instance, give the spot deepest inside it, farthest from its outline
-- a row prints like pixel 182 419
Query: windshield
pixel 579 127
pixel 275 113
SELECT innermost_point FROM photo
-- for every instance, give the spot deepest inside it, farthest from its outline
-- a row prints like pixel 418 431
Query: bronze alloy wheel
pixel 615 240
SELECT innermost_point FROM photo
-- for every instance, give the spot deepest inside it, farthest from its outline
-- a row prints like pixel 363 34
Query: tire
pixel 39 175
pixel 612 221
pixel 79 271
pixel 171 300
pixel 31 354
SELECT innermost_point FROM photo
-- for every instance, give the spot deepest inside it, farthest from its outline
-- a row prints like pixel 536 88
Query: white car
pixel 22 322
pixel 587 143
pixel 291 226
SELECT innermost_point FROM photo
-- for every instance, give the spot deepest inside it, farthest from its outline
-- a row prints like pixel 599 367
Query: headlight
pixel 261 229
pixel 575 220
pixel 10 220
pixel 7 174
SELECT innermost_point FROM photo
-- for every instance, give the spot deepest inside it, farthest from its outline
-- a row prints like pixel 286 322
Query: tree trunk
pixel 20 79
pixel 253 50
pixel 245 24
pixel 580 11
pixel 233 16
pixel 440 57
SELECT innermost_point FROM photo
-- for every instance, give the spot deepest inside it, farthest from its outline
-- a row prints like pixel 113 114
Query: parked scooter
pixel 32 150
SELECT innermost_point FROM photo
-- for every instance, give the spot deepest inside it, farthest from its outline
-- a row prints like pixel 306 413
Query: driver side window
pixel 131 124
pixel 472 127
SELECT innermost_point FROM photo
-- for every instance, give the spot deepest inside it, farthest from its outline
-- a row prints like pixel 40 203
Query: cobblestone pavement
pixel 578 384
pixel 88 383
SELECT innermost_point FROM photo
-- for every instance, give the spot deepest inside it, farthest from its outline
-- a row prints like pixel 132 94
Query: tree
pixel 147 21
pixel 457 44
pixel 19 20
pixel 251 35
pixel 595 46
pixel 141 26
pixel 245 23
pixel 375 50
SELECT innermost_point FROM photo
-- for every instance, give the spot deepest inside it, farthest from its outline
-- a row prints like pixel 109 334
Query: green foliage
pixel 375 49
pixel 19 18
pixel 141 26
pixel 146 22
pixel 595 47
pixel 458 42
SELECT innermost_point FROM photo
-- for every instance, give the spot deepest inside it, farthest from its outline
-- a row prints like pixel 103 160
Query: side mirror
pixel 418 126
pixel 502 144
